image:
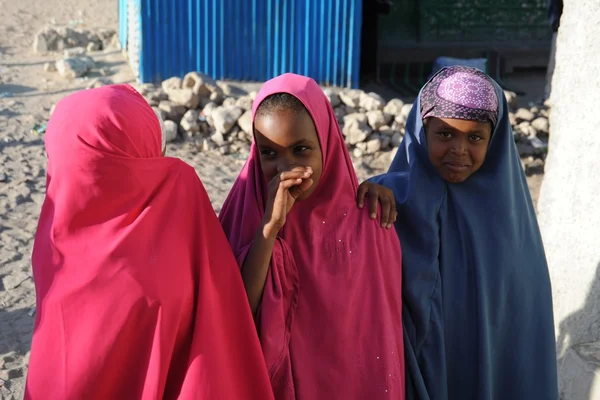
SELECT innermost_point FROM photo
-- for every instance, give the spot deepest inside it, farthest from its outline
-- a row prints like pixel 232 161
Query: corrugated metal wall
pixel 250 39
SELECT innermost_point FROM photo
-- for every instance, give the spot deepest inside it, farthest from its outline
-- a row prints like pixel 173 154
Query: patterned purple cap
pixel 460 93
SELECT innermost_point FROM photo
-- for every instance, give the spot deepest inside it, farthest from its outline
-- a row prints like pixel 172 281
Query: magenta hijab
pixel 330 318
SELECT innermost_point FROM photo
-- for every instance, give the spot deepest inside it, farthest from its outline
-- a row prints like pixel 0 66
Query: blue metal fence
pixel 247 39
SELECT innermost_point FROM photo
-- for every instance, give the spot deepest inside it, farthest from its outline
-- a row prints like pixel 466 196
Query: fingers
pixel 386 212
pixel 297 190
pixel 362 193
pixel 295 173
pixel 373 199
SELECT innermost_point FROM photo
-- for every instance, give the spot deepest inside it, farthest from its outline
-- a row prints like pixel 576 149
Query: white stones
pixel 394 107
pixel 371 101
pixel 332 96
pixel 190 122
pixel 184 97
pixel 355 117
pixel 244 102
pixel 74 52
pixel 351 97
pixel 245 122
pixel 541 125
pixel 50 67
pixel 524 114
pixel 378 119
pixel 218 138
pixel 170 131
pixel 373 144
pixel 511 99
pixel 396 139
pixel 356 131
pixel 74 67
pixel 174 111
pixel 201 84
pixel 171 83
pixel 225 117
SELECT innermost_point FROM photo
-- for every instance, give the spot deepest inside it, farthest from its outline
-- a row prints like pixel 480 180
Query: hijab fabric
pixel 330 317
pixel 138 293
pixel 477 304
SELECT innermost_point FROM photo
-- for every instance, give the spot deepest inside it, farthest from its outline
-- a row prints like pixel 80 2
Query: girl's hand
pixel 382 194
pixel 284 189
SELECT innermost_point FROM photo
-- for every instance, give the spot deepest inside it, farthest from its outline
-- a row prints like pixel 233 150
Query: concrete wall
pixel 569 205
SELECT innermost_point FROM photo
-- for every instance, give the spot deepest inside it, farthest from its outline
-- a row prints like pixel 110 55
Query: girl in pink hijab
pixel 323 279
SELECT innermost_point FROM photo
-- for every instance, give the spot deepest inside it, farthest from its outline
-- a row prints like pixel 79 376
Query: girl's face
pixel 457 148
pixel 287 139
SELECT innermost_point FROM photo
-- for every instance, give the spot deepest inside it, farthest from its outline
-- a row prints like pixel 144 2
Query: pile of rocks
pixel 58 39
pixel 218 118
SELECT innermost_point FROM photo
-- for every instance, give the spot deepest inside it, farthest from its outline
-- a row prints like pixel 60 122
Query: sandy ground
pixel 22 158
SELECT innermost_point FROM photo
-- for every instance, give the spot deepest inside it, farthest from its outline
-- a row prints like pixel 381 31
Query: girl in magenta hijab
pixel 323 279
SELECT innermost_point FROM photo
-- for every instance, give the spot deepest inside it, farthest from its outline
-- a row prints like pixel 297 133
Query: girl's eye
pixel 300 149
pixel 267 152
pixel 445 135
pixel 475 138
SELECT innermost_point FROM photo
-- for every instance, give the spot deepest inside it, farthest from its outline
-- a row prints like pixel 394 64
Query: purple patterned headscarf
pixel 460 93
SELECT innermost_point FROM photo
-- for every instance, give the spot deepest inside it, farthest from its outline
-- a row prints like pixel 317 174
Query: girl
pixel 138 294
pixel 477 301
pixel 322 278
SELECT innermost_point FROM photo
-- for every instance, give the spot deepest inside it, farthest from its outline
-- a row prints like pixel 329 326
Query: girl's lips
pixel 456 167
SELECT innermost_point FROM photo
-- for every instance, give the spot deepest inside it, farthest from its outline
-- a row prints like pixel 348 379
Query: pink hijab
pixel 330 318
pixel 138 293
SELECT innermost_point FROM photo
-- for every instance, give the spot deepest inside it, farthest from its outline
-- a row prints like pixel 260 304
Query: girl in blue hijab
pixel 477 305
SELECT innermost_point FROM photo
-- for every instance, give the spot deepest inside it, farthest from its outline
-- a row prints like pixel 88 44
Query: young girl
pixel 323 279
pixel 477 301
pixel 138 293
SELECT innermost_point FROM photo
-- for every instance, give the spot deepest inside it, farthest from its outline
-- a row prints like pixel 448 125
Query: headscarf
pixel 477 302
pixel 460 93
pixel 138 293
pixel 329 320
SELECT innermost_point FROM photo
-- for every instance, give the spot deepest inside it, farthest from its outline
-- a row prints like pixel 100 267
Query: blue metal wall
pixel 251 39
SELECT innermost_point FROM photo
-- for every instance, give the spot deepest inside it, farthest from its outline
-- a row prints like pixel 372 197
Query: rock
pixel 170 131
pixel 72 68
pixel 526 128
pixel 392 154
pixel 512 99
pixel 394 107
pixel 244 102
pixel 373 144
pixel 377 119
pixel 161 113
pixel 386 130
pixel 184 97
pixel 358 153
pixel 104 71
pixel 171 83
pixel 190 123
pixel 229 102
pixel 230 90
pixel 93 46
pixel 371 101
pixel 524 114
pixel 201 84
pixel 245 122
pixel 253 95
pixel 340 113
pixel 97 82
pixel 512 118
pixel 541 125
pixel 217 97
pixel 225 117
pixel 50 67
pixel 158 95
pixel 73 38
pixel 356 131
pixel 218 138
pixel 396 139
pixel 208 109
pixel 362 146
pixel 46 40
pixel 385 141
pixel 224 150
pixel 174 111
pixel 536 166
pixel 403 117
pixel 332 96
pixel 75 52
pixel 351 97
pixel 360 117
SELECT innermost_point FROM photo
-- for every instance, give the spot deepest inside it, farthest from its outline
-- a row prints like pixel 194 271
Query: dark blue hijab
pixel 477 312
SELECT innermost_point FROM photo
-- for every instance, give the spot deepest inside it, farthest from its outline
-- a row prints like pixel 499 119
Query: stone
pixel 358 153
pixel 396 139
pixel 229 102
pixel 74 67
pixel 170 131
pixel 403 117
pixel 217 97
pixel 75 52
pixel 171 83
pixel 253 95
pixel 360 117
pixel 218 138
pixel 184 97
pixel 362 146
pixel 371 101
pixel 534 167
pixel 225 117
pixel 46 41
pixel 568 207
pixel 385 141
pixel 174 111
pixel 541 125
pixel 208 109
pixel 245 122
pixel 392 154
pixel 332 96
pixel 524 114
pixel 244 102
pixel 394 107
pixel 373 144
pixel 340 113
pixel 512 119
pixel 190 122
pixel 97 82
pixel 93 46
pixel 157 95
pixel 351 97
pixel 50 67
pixel 512 99
pixel 201 84
pixel 356 131
pixel 225 150
pixel 377 119
pixel 161 113
pixel 526 128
